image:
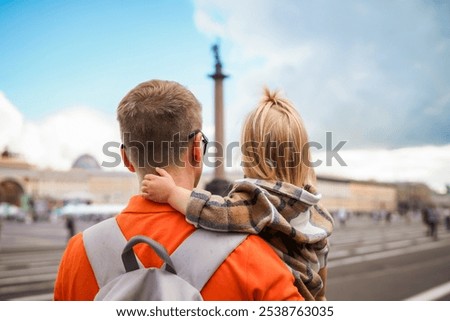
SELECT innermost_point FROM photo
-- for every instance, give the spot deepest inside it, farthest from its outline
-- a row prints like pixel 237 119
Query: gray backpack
pixel 121 277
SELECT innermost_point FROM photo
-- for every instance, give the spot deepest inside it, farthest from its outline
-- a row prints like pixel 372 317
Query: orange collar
pixel 138 204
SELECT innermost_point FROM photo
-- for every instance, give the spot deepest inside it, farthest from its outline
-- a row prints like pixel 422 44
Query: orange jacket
pixel 252 272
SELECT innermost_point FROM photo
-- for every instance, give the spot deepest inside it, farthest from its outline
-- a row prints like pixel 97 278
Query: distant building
pixel 441 200
pixel 353 195
pixel 12 161
pixel 11 190
pixel 357 195
pixel 86 162
pixel 416 196
pixel 413 196
pixel 85 181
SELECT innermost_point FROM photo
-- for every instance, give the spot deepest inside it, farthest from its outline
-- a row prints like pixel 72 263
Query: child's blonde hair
pixel 275 143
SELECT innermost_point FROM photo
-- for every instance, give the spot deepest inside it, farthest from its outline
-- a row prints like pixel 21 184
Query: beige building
pixel 357 196
pixel 86 181
pixel 352 195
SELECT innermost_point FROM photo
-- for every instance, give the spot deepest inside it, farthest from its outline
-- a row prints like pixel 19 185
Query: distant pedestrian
pixel 70 225
pixel 432 221
pixel 447 218
pixel 342 216
pixel 424 213
pixel 388 217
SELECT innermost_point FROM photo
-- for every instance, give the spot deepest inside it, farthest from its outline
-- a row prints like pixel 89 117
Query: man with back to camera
pixel 160 123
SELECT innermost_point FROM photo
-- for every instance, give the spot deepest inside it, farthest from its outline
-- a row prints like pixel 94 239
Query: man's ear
pixel 197 150
pixel 126 161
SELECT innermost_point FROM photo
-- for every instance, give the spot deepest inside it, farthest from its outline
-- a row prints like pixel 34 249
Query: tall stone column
pixel 218 76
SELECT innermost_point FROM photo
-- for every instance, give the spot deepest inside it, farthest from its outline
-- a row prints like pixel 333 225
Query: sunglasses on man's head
pixel 204 139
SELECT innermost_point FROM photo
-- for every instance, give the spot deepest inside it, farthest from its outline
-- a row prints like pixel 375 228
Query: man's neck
pixel 181 178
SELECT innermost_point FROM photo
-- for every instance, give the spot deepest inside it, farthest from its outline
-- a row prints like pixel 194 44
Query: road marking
pixel 337 254
pixel 390 270
pixel 385 254
pixel 397 244
pixel 432 294
pixel 369 248
pixel 28 271
pixel 38 297
pixel 26 288
pixel 28 279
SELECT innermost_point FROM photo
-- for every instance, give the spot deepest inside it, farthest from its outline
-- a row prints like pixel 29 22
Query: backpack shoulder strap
pixel 104 243
pixel 195 260
pixel 201 254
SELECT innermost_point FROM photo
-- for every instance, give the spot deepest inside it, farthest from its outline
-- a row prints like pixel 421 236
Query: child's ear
pixel 126 161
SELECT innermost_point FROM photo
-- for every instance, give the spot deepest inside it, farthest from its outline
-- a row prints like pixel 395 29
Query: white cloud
pixel 428 164
pixel 11 121
pixel 204 22
pixel 374 73
pixel 59 139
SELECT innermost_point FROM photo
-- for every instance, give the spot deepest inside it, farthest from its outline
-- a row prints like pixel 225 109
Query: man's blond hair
pixel 156 118
pixel 275 143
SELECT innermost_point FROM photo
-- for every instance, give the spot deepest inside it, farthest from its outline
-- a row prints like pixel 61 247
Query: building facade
pixel 84 182
pixel 87 182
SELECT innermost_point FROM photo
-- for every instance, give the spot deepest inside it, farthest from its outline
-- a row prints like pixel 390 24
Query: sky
pixel 375 74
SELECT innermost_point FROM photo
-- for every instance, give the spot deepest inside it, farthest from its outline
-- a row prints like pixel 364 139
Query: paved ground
pixel 368 261
pixel 388 262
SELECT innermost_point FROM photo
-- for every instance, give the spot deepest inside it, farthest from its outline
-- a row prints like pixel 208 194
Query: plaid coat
pixel 289 218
